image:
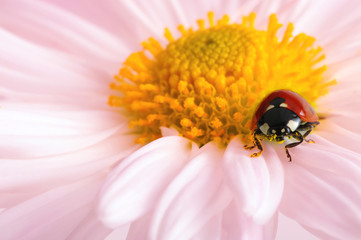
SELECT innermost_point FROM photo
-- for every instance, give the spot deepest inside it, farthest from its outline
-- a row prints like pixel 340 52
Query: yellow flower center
pixel 207 83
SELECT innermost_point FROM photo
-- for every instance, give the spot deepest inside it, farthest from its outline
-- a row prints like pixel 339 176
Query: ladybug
pixel 282 114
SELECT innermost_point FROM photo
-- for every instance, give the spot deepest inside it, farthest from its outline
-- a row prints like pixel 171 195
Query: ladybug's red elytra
pixel 282 114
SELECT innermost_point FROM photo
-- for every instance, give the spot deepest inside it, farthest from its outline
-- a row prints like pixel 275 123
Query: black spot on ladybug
pixel 311 109
pixel 277 101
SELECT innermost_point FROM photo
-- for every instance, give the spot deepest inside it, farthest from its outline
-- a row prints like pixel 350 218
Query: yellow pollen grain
pixel 206 83
pixel 185 122
pixel 216 123
pixel 189 103
pixel 221 103
pixel 199 112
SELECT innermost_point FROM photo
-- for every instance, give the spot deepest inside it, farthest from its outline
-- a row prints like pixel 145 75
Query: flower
pixel 60 139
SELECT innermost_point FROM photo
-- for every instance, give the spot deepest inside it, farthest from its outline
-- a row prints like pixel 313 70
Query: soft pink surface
pixel 59 139
pixel 193 198
pixel 56 128
pixel 54 214
pixel 135 185
pixel 256 182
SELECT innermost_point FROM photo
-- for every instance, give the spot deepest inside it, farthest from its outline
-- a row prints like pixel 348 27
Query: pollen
pixel 207 83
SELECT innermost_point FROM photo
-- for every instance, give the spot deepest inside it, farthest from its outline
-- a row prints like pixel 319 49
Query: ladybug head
pixel 279 132
pixel 278 122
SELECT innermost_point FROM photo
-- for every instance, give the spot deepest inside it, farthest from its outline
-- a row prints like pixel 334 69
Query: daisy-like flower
pixel 168 152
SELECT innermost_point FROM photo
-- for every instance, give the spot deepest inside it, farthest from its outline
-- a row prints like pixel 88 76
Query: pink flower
pixel 61 143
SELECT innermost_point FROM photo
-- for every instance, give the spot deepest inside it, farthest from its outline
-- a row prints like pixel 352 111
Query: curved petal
pixel 120 233
pixel 195 196
pixel 22 147
pixel 61 29
pixel 90 228
pixel 256 182
pixel 347 119
pixel 139 229
pixel 323 198
pixel 326 156
pixel 167 132
pixel 51 215
pixel 135 185
pixel 237 225
pixel 28 175
pixel 313 21
pixel 212 230
pixel 76 82
pixel 343 108
pixel 290 229
pixel 337 135
pixel 111 16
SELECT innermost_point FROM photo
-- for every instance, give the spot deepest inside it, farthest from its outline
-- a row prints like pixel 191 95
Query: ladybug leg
pixel 306 134
pixel 256 143
pixel 298 136
pixel 249 147
pixel 308 128
pixel 288 155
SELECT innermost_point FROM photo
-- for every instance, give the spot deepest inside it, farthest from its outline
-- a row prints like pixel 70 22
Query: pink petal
pixel 33 146
pixel 237 225
pixel 167 132
pixel 343 106
pixel 337 36
pixel 135 186
pixel 256 182
pixel 61 29
pixel 111 16
pixel 324 155
pixel 139 229
pixel 194 197
pixel 119 233
pixel 290 229
pixel 75 82
pixel 347 119
pixel 19 122
pixel 344 70
pixel 90 228
pixel 337 135
pixel 212 230
pixel 322 192
pixel 39 174
pixel 52 215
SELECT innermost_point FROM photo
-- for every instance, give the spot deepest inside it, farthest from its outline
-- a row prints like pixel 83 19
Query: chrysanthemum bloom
pixel 186 102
